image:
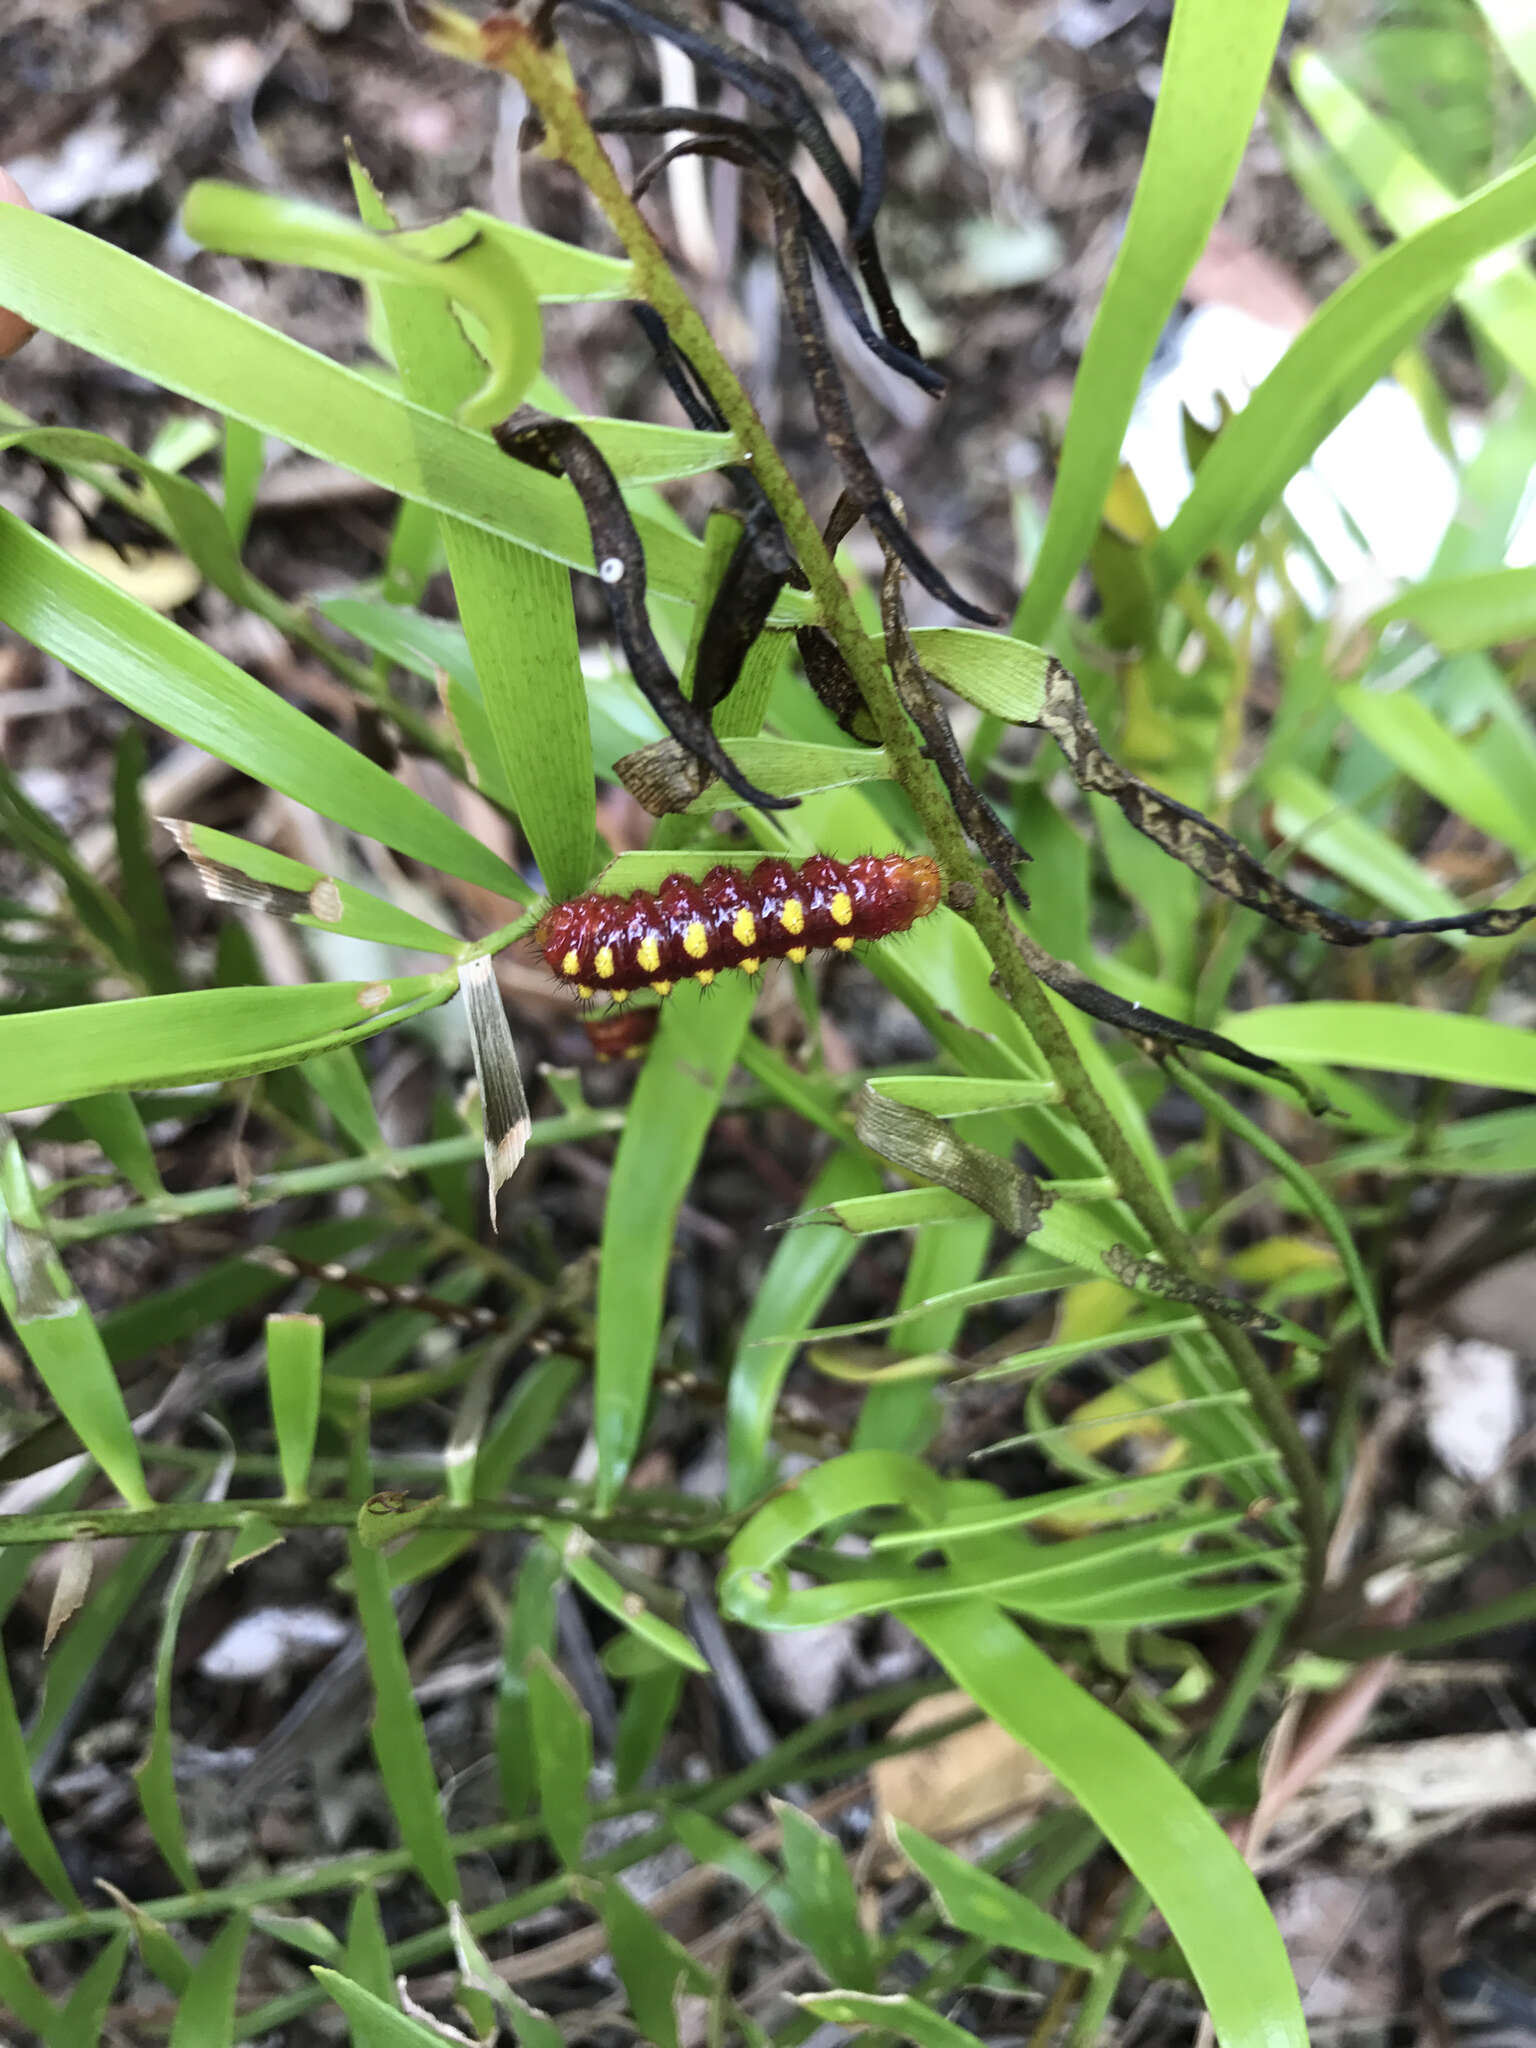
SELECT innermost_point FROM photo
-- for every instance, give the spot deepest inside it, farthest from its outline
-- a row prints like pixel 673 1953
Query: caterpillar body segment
pixel 695 928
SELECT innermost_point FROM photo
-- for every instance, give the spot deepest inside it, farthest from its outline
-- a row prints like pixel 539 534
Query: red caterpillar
pixel 732 917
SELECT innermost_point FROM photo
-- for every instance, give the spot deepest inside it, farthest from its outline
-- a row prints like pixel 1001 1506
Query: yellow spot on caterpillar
pixel 792 916
pixel 583 990
pixel 797 954
pixel 619 995
pixel 696 940
pixel 604 963
pixel 843 945
pixel 705 976
pixel 842 908
pixel 648 954
pixel 571 964
pixel 662 988
pixel 744 930
pixel 749 966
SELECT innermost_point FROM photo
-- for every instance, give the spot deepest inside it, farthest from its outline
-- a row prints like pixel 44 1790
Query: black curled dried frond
pixel 698 402
pixel 759 567
pixel 834 415
pixel 1216 856
pixel 853 96
pixel 1158 1031
pixel 835 684
pixel 891 342
pixel 684 382
pixel 917 691
pixel 561 449
pixel 764 83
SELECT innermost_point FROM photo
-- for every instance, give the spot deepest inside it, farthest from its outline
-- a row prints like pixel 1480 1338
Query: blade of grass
pixel 1352 339
pixel 515 607
pixel 1394 1038
pixel 1214 72
pixel 670 1114
pixel 1200 1884
pixel 151 665
pixel 207 1034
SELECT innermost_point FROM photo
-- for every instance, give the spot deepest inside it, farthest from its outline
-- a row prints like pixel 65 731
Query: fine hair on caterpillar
pixel 693 928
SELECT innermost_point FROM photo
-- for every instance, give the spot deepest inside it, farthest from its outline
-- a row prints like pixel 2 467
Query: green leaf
pixel 892 2013
pixel 156 1775
pixel 1330 832
pixel 98 297
pixel 58 1331
pixel 650 1701
pixel 514 605
pixel 1415 740
pixel 1197 1880
pixel 826 1906
pixel 604 1589
pixel 530 1627
pixel 295 1361
pixel 1483 609
pixel 84 2016
pixel 367 1950
pixel 451 257
pixel 208 1034
pixel 205 2012
pixel 990 670
pixel 329 905
pixel 1393 1037
pixel 1511 23
pixel 20 1993
pixel 399 1740
pixel 1499 296
pixel 792 768
pixel 337 1077
pixel 670 1113
pixel 562 1748
pixel 160 671
pixel 114 1123
pixel 803 1271
pixel 652 1964
pixel 375 2024
pixel 1214 72
pixel 22 1819
pixel 246 223
pixel 1352 339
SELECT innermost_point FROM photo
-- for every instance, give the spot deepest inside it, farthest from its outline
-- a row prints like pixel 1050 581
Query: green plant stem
pixel 266 1188
pixel 481 1517
pixel 545 76
pixel 795 1757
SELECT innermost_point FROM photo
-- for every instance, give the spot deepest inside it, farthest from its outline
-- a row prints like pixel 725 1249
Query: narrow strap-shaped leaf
pixel 1214 72
pixel 1178 1850
pixel 515 607
pixel 102 299
pixel 59 1332
pixel 155 668
pixel 1354 337
pixel 208 1034
pixel 399 1741
pixel 673 1106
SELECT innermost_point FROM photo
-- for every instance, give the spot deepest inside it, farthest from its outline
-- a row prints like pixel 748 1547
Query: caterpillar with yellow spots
pixel 692 930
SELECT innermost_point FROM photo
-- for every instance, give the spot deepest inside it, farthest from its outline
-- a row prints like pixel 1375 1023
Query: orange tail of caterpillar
pixel 692 930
